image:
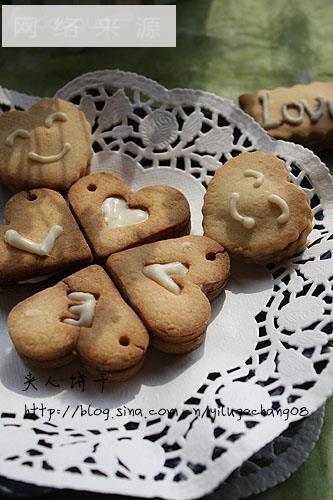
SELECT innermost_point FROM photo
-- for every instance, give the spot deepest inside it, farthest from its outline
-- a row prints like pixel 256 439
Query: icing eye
pixel 58 115
pixel 20 132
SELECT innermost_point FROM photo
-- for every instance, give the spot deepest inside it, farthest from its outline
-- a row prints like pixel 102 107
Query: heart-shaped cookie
pixel 169 284
pixel 114 218
pixel 50 145
pixel 40 237
pixel 254 211
pixel 83 314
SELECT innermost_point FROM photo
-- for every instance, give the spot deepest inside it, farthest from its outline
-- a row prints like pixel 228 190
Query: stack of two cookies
pixel 153 288
pixel 254 211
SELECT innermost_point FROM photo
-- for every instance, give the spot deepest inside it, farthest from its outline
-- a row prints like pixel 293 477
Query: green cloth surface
pixel 228 47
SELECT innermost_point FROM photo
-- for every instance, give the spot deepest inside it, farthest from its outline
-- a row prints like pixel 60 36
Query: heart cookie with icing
pixel 170 285
pixel 40 237
pixel 114 218
pixel 50 145
pixel 254 211
pixel 82 315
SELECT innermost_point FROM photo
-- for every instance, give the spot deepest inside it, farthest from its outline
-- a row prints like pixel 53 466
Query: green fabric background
pixel 228 47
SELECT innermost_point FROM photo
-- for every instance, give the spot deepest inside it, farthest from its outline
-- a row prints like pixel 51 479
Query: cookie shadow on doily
pixel 248 278
pixel 30 382
pixel 159 369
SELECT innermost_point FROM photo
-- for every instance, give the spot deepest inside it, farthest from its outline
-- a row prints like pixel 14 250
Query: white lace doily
pixel 275 462
pixel 269 345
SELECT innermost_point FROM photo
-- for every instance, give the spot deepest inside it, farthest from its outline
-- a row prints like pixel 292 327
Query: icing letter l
pixel 267 123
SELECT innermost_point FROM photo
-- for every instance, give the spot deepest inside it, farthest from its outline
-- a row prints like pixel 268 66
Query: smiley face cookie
pixel 114 218
pixel 50 145
pixel 169 284
pixel 253 209
pixel 82 315
pixel 40 237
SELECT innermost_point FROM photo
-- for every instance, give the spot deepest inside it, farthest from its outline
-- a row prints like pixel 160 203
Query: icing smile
pixel 52 158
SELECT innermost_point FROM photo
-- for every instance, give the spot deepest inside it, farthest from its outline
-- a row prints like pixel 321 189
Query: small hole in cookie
pixel 31 197
pixel 92 187
pixel 211 256
pixel 124 341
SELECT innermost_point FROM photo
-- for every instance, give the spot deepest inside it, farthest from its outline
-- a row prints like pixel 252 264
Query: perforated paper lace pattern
pixel 269 346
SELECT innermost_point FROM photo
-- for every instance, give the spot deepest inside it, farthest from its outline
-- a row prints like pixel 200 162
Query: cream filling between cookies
pixel 268 257
pixel 171 341
pixel 117 213
pixel 43 249
pixel 36 279
pixel 85 309
pixel 162 274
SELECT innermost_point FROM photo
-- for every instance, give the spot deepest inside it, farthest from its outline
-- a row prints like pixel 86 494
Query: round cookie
pixel 254 211
pixel 50 145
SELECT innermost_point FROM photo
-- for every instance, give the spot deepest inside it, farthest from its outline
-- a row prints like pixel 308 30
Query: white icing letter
pixel 264 99
pixel 254 173
pixel 117 213
pixel 20 132
pixel 43 249
pixel 85 310
pixel 49 159
pixel 277 200
pixel 317 113
pixel 58 115
pixel 161 274
pixel 294 120
pixel 248 222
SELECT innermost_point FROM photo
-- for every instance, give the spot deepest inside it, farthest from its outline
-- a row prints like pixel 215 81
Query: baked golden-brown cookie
pixel 50 145
pixel 114 218
pixel 83 315
pixel 302 113
pixel 40 237
pixel 169 284
pixel 254 211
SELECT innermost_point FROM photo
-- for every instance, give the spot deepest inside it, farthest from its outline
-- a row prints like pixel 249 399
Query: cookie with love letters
pixel 254 211
pixel 83 315
pixel 39 237
pixel 114 218
pixel 170 285
pixel 50 145
pixel 302 113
